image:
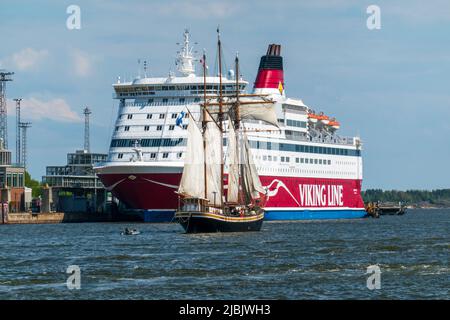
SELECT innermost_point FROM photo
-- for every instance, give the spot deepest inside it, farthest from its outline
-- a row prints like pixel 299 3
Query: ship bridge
pixel 183 83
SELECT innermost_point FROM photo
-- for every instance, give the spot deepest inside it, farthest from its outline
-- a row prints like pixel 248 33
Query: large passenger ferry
pixel 307 169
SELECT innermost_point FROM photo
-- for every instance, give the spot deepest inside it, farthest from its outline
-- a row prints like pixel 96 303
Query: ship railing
pixel 160 103
pixel 349 141
pixel 151 94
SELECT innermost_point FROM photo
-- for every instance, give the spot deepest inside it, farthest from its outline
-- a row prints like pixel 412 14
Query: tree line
pixel 437 197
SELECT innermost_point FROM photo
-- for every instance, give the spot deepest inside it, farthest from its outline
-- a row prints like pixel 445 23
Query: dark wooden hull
pixel 207 223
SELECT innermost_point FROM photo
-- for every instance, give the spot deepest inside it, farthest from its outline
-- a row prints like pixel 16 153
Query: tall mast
pixel 237 115
pixel 237 120
pixel 220 118
pixel 219 46
pixel 204 123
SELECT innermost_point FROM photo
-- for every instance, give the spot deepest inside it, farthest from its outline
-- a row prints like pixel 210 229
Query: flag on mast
pixel 280 87
pixel 179 120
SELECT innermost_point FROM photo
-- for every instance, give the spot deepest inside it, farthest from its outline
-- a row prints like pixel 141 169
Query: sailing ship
pixel 203 206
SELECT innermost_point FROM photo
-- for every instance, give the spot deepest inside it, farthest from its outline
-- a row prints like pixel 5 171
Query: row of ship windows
pixel 192 92
pixel 304 171
pixel 161 116
pixel 295 123
pixel 180 88
pixel 289 134
pixel 159 102
pixel 303 148
pixel 167 142
pixel 284 159
pixel 153 155
pixel 147 128
pixel 194 89
pixel 345 163
pixel 179 155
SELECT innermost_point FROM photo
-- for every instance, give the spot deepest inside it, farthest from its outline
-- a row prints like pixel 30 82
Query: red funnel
pixel 270 72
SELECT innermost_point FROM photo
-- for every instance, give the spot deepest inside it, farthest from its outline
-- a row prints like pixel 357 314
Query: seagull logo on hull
pixel 316 195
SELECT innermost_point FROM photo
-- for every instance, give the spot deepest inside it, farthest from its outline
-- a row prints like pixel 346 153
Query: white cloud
pixel 26 59
pixel 82 62
pixel 38 109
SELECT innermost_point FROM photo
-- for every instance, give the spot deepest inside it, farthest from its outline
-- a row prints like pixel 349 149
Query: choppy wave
pixel 284 261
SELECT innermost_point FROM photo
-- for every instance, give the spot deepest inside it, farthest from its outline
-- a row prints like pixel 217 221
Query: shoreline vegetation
pixel 421 199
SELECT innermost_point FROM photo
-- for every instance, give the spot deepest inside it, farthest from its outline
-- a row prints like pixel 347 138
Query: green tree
pixel 35 186
pixel 438 197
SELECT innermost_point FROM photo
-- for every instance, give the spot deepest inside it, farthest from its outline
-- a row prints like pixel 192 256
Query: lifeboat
pixel 312 117
pixel 324 119
pixel 321 118
pixel 334 124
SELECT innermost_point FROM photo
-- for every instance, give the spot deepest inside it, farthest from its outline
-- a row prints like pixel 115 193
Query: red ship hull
pixel 288 198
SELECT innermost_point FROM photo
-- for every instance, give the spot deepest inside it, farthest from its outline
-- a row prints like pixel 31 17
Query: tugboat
pixel 202 204
pixel 377 209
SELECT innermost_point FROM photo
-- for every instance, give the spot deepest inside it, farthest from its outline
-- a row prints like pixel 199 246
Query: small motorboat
pixel 130 232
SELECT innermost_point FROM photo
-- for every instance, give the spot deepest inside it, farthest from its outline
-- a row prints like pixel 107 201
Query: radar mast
pixel 185 59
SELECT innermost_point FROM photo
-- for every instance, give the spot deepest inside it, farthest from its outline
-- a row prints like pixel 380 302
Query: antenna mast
pixel 18 150
pixel 4 77
pixel 86 112
pixel 24 126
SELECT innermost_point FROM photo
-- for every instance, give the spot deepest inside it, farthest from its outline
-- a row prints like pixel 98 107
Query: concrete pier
pixel 54 217
pixel 65 217
pixel 31 218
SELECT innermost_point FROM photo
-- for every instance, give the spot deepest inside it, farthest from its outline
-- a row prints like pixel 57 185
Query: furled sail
pixel 250 108
pixel 213 158
pixel 233 165
pixel 258 110
pixel 251 183
pixel 192 181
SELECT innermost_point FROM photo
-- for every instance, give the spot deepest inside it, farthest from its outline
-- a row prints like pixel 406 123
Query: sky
pixel 390 86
